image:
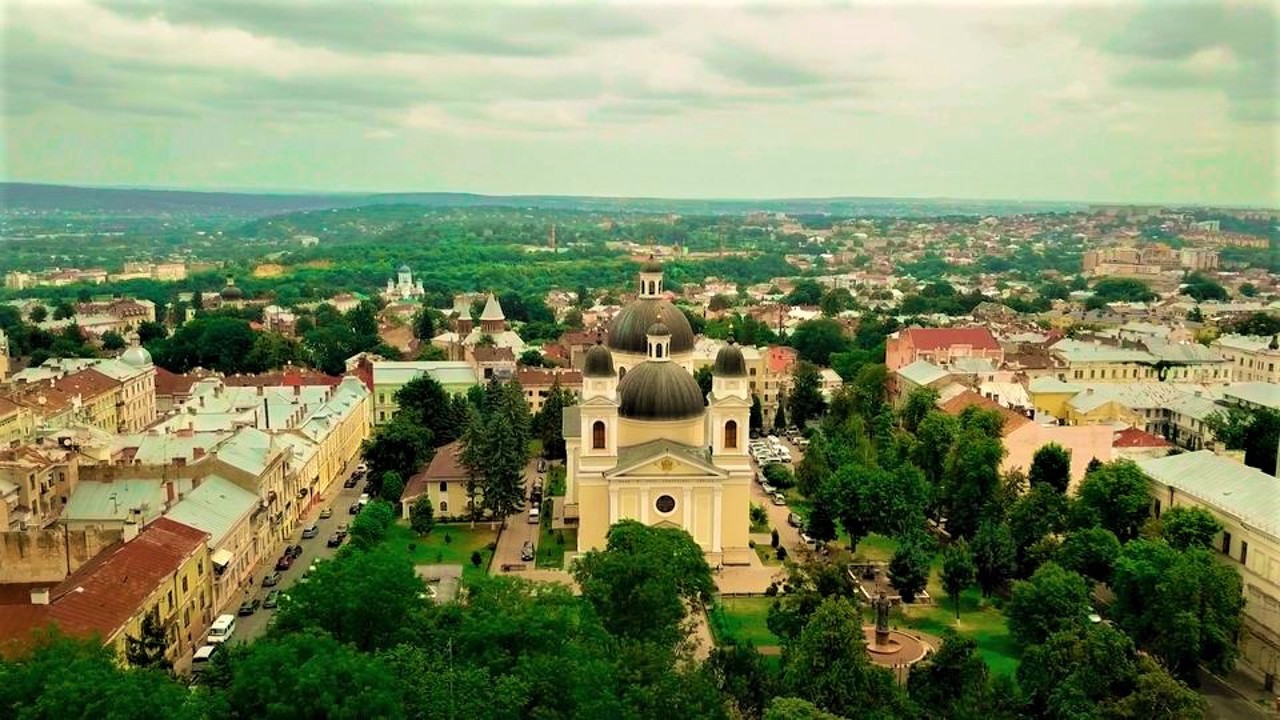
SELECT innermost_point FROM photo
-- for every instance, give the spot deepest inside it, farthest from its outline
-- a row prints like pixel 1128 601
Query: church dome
pixel 598 362
pixel 404 269
pixel 231 292
pixel 730 362
pixel 651 266
pixel 659 330
pixel 628 332
pixel 137 356
pixel 660 391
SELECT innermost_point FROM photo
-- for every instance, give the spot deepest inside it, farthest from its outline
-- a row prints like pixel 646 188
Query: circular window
pixel 665 503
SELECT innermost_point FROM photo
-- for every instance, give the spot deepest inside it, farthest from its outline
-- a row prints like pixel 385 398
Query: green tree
pixel 955 684
pixel 739 672
pixel 147 650
pixel 38 314
pixel 703 376
pixel 958 571
pixel 936 434
pixel 495 448
pixel 920 402
pixel 370 599
pixel 640 582
pixel 425 322
pixel 64 310
pixel 756 418
pixel 549 423
pixel 1248 290
pixel 1185 528
pixel 790 708
pixel 422 515
pixel 112 340
pixel 149 332
pixel 424 401
pixel 1092 552
pixel 1054 599
pixel 401 446
pixel 1255 431
pixel 827 664
pixel 816 340
pixel 909 567
pixel 1051 466
pixel 392 487
pixel 1033 517
pixel 994 556
pixel 371 525
pixel 806 401
pixel 971 479
pixel 780 416
pixel 272 350
pixel 836 301
pixel 805 292
pixel 1117 497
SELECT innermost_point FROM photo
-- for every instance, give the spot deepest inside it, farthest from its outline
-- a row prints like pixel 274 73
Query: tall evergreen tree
pixel 147 649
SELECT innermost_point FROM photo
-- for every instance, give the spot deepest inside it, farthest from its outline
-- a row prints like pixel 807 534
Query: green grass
pixel 556 481
pixel 767 554
pixel 985 624
pixel 743 620
pixel 552 545
pixel 873 547
pixel 434 550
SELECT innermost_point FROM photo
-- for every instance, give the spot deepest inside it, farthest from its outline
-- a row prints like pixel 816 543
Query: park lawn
pixel 873 548
pixel 984 623
pixel 434 550
pixel 768 555
pixel 552 545
pixel 743 619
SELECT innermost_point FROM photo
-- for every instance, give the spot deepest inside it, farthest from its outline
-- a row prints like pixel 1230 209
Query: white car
pixel 768 489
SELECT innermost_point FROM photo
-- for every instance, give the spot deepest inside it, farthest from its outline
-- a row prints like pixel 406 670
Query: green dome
pixel 651 266
pixel 659 330
pixel 598 362
pixel 660 391
pixel 730 362
pixel 628 332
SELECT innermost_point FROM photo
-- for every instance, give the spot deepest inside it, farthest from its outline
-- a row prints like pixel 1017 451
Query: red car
pixel 284 563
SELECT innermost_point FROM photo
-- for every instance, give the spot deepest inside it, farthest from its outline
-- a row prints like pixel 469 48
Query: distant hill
pixel 31 196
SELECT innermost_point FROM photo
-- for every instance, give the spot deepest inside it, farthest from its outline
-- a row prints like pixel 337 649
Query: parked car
pixel 806 538
pixel 542 466
pixel 779 500
pixel 271 600
pixel 794 521
pixel 351 481
pixel 362 468
pixel 293 551
pixel 534 515
pixel 326 513
pixel 335 539
pixel 248 607
pixel 768 489
pixel 200 659
pixel 273 579
pixel 310 531
pixel 354 509
pixel 284 563
pixel 526 552
pixel 342 529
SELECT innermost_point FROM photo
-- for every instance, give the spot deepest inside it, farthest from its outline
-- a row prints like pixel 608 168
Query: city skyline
pixel 1071 102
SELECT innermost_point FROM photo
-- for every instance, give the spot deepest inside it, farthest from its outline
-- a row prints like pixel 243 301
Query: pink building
pixel 941 345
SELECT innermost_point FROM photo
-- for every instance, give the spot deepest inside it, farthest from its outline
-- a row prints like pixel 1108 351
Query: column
pixel 613 504
pixel 644 504
pixel 687 504
pixel 715 519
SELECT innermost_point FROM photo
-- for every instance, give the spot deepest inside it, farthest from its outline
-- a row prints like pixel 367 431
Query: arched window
pixel 444 486
pixel 597 435
pixel 657 351
pixel 653 288
pixel 444 506
pixel 731 435
pixel 622 372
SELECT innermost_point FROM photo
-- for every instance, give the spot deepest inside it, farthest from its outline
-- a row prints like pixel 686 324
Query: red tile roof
pixel 780 358
pixel 979 338
pixel 1132 437
pixel 172 384
pixel 956 405
pixel 493 353
pixel 289 377
pixel 534 377
pixel 87 383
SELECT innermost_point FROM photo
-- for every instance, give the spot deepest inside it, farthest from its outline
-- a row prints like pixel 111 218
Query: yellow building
pixel 1247 503
pixel 444 482
pixel 17 424
pixel 389 376
pixel 649 447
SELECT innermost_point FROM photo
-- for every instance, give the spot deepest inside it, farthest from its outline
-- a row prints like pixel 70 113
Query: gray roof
pixel 214 506
pixel 446 372
pixel 1050 384
pixel 660 391
pixel 1246 493
pixel 492 310
pixel 1184 352
pixel 598 362
pixel 249 449
pixel 638 454
pixel 922 372
pixel 972 365
pixel 107 501
pixel 1255 393
pixel 628 331
pixel 1194 406
pixel 1105 354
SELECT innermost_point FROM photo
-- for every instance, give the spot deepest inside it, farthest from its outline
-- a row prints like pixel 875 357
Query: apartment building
pixel 1252 358
pixel 941 346
pixel 389 376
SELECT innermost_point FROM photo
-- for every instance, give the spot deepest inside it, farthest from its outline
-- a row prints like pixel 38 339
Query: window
pixel 731 435
pixel 170 598
pixel 200 568
pixel 1226 543
pixel 657 351
pixel 665 504
pixel 1244 553
pixel 597 435
pixel 444 486
pixel 382 398
pixel 184 583
pixel 1157 509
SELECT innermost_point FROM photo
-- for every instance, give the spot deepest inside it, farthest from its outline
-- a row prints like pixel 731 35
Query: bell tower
pixel 729 408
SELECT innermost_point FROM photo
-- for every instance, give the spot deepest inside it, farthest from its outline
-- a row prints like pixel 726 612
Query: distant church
pixel 402 287
pixel 643 444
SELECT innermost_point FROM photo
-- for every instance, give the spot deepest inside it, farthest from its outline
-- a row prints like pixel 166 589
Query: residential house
pixel 1252 358
pixel 444 480
pixel 17 423
pixel 941 346
pixel 35 483
pixel 224 511
pixel 538 384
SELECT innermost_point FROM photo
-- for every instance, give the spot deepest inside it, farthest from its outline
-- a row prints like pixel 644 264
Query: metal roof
pixel 1256 393
pixel 215 506
pixel 446 372
pixel 113 500
pixel 922 372
pixel 1246 493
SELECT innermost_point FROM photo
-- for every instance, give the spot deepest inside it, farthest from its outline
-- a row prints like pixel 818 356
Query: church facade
pixel 644 444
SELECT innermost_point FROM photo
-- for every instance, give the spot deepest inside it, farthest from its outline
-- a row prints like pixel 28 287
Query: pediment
pixel 665 461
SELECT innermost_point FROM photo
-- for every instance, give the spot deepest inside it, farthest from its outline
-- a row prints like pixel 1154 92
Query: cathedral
pixel 645 444
pixel 402 287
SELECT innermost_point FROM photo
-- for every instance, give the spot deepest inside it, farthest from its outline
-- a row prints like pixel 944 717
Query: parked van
pixel 534 515
pixel 222 629
pixel 201 657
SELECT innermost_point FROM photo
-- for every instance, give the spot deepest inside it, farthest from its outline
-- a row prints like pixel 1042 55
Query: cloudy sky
pixel 1162 102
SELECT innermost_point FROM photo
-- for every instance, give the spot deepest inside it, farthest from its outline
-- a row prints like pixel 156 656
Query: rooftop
pixel 1253 393
pixel 214 506
pixel 112 501
pixel 1245 493
pixel 956 405
pixel 922 372
pixel 979 338
pixel 446 372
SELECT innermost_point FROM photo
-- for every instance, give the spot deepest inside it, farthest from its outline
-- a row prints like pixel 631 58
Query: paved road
pixel 788 535
pixel 1226 704
pixel 248 628
pixel 519 530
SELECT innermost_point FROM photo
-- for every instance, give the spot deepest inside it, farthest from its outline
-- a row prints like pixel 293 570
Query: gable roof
pixel 956 405
pixel 922 372
pixel 1239 490
pixel 445 466
pixel 635 455
pixel 979 338
pixel 1132 437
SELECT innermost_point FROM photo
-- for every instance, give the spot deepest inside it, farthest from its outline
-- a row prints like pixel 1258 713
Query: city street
pixel 789 536
pixel 248 628
pixel 519 530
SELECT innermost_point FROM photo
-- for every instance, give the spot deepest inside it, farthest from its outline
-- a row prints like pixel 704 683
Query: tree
pixel 958 571
pixel 425 322
pixel 971 478
pixel 371 525
pixel 401 446
pixel 805 292
pixel 424 401
pixel 1091 552
pixel 827 664
pixel 1054 599
pixel 64 310
pixel 1185 528
pixel 640 582
pixel 149 332
pixel 147 650
pixel 495 448
pixel 1117 497
pixel 1032 518
pixel 790 708
pixel 719 302
pixel 703 376
pixel 1248 290
pixel 422 515
pixel 1051 465
pixel 806 401
pixel 549 423
pixel 920 402
pixel 815 340
pixel 994 556
pixel 272 350
pixel 368 598
pixel 739 672
pixel 532 357
pixel 836 301
pixel 936 434
pixel 954 683
pixel 112 340
pixel 756 419
pixel 1200 288
pixel 392 487
pixel 909 567
pixel 215 342
pixel 38 314
pixel 1255 431
pixel 780 416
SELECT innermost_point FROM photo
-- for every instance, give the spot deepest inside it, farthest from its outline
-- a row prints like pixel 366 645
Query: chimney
pixel 39 596
pixel 1088 391
pixel 130 530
